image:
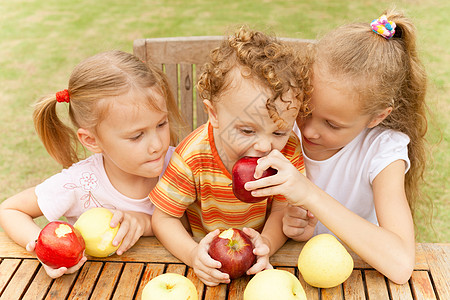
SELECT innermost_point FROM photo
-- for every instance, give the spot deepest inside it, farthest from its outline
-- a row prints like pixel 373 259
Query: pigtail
pixel 59 140
pixel 409 114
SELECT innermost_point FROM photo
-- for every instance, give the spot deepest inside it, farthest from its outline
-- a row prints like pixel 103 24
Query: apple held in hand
pixel 243 171
pixel 93 225
pixel 59 245
pixel 169 286
pixel 274 284
pixel 234 249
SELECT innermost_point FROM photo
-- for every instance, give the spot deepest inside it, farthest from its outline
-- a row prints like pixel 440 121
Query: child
pixel 253 87
pixel 121 109
pixel 365 132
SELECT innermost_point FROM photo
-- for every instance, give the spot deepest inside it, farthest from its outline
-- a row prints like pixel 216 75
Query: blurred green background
pixel 41 42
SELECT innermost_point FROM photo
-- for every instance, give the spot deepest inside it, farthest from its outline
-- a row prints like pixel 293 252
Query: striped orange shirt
pixel 196 182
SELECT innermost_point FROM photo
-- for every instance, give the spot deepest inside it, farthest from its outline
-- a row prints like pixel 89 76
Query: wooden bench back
pixel 182 59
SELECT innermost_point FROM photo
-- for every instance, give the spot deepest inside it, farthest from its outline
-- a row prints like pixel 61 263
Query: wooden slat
pixel 21 279
pixel 400 291
pixel 312 293
pixel 86 280
pixel 150 272
pixel 439 262
pixel 107 281
pixel 139 49
pixel 218 292
pixel 197 282
pixel 40 286
pixel 129 281
pixel 421 285
pixel 186 94
pixel 376 285
pixel 7 269
pixel 176 268
pixel 61 287
pixel 354 286
pixel 334 293
pixel 237 286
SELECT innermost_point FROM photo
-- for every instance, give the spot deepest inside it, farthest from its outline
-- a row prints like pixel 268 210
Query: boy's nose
pixel 263 146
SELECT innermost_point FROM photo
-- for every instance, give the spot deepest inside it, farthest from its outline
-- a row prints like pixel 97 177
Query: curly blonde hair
pixel 264 58
pixel 385 73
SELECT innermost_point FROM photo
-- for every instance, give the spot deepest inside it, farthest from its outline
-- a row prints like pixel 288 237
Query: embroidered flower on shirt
pixel 88 181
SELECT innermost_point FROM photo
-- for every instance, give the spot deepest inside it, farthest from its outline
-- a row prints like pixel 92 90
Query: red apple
pixel 244 171
pixel 59 245
pixel 234 249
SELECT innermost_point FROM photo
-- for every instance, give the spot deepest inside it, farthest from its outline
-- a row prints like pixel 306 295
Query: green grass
pixel 41 42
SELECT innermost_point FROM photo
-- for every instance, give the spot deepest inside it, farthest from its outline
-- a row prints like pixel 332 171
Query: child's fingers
pixel 117 218
pixel 273 159
pixel 75 268
pixel 54 273
pixel 296 212
pixel 212 277
pixel 30 246
pixel 262 263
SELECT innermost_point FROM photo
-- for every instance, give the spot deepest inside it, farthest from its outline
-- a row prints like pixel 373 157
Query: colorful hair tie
pixel 383 27
pixel 63 96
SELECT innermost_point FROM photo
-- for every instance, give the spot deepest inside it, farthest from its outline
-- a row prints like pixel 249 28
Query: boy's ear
pixel 379 117
pixel 212 113
pixel 88 140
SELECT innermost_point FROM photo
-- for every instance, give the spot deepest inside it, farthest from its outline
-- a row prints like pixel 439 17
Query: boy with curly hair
pixel 253 88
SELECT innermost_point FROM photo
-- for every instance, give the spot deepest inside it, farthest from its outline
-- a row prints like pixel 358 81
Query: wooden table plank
pixel 376 285
pixel 237 286
pixel 197 282
pixel 421 285
pixel 40 286
pixel 85 282
pixel 312 293
pixel 400 291
pixel 176 268
pixel 61 287
pixel 21 279
pixel 439 262
pixel 218 292
pixel 334 293
pixel 7 269
pixel 107 281
pixel 129 281
pixel 150 272
pixel 354 286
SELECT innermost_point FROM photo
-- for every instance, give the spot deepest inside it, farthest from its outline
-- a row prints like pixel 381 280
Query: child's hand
pixel 288 181
pixel 298 223
pixel 55 273
pixel 132 226
pixel 204 266
pixel 261 251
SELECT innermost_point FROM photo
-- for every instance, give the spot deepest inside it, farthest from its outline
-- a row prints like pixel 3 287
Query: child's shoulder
pixel 194 142
pixel 381 136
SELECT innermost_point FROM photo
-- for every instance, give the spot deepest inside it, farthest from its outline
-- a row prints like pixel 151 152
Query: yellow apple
pixel 274 284
pixel 170 286
pixel 97 234
pixel 324 262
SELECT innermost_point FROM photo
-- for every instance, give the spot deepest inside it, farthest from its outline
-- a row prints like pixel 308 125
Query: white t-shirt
pixel 347 176
pixel 85 185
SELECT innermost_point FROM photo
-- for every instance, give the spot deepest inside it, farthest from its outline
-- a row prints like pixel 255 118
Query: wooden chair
pixel 182 59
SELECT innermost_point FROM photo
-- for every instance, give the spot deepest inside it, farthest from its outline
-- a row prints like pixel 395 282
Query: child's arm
pixel 174 236
pixel 17 214
pixel 389 247
pixel 133 225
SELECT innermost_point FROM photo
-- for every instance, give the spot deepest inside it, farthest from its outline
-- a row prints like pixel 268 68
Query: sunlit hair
pixel 93 84
pixel 385 73
pixel 266 60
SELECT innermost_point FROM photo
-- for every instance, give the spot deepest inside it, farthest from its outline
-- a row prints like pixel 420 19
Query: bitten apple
pixel 243 171
pixel 234 249
pixel 59 245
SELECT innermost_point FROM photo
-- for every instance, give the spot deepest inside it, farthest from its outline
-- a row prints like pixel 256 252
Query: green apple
pixel 93 225
pixel 170 286
pixel 274 284
pixel 324 262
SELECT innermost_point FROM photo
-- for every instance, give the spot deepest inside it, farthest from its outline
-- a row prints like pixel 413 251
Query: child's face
pixel 336 118
pixel 134 137
pixel 242 126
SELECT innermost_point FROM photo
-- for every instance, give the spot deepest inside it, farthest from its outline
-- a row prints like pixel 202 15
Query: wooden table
pixel 123 277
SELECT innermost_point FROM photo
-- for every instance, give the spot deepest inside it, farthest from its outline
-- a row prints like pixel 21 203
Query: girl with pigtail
pixel 120 109
pixel 363 145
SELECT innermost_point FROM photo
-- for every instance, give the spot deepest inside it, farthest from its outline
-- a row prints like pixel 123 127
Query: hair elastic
pixel 383 27
pixel 63 96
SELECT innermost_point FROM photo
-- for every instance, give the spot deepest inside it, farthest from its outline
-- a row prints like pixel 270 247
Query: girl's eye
pixel 164 123
pixel 136 137
pixel 332 125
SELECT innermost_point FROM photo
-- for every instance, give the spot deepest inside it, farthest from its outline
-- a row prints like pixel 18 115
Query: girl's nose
pixel 155 144
pixel 309 130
